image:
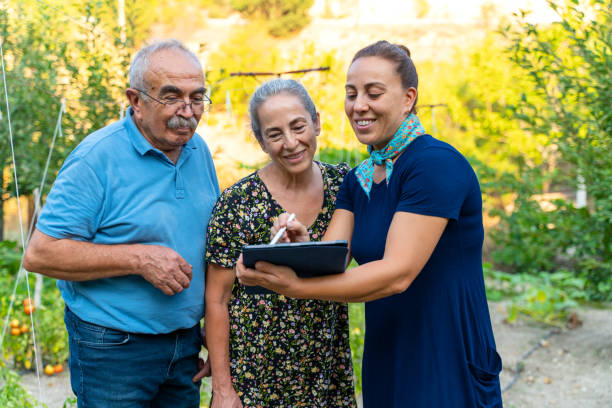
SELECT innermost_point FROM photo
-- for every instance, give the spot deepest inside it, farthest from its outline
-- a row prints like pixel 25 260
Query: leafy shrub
pixel 546 297
pixel 357 337
pixel 12 393
pixel 10 257
pixel 285 17
pixel 339 155
pixel 569 66
pixel 51 334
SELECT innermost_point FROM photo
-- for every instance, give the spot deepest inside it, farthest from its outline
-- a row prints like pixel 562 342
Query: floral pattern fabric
pixel 283 352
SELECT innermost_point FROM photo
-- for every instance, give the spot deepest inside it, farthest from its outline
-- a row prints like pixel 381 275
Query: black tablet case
pixel 307 259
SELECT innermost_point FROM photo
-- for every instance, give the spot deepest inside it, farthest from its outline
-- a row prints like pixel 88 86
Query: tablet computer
pixel 307 259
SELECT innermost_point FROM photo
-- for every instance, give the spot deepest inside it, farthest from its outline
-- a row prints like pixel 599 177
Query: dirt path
pixel 572 370
pixel 55 389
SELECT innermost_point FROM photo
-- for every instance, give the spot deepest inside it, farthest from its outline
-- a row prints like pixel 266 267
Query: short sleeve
pixel 75 205
pixel 344 199
pixel 225 235
pixel 438 184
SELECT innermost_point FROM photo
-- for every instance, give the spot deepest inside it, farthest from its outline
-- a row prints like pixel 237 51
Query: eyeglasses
pixel 197 104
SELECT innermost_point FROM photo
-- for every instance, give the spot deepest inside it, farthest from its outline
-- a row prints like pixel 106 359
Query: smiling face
pixel 172 74
pixel 376 103
pixel 288 133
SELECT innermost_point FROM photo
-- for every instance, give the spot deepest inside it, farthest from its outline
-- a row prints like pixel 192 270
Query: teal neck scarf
pixel 409 130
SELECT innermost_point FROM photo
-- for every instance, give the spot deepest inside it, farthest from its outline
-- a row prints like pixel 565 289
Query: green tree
pixel 282 16
pixel 76 55
pixel 251 49
pixel 569 65
pixel 32 80
pixel 478 87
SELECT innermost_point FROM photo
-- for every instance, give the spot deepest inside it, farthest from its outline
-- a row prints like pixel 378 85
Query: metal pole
pixel 581 193
pixel 121 18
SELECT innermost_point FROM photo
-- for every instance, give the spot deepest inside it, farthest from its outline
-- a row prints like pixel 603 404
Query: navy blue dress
pixel 432 345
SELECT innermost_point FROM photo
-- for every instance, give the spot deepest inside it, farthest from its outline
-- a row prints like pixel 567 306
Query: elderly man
pixel 124 231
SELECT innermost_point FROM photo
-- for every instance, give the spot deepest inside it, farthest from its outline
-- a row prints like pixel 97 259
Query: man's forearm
pixel 78 261
pixel 72 260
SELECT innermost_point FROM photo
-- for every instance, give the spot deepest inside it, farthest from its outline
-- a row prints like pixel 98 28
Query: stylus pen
pixel 282 230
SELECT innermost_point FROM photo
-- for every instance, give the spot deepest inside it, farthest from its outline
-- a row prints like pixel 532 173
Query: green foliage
pixel 10 257
pixel 215 8
pixel 242 53
pixel 181 17
pixel 335 155
pixel 50 330
pixel 545 297
pixel 251 49
pixel 282 16
pixel 51 334
pixel 357 337
pixel 70 402
pixel 12 393
pixel 478 87
pixel 32 77
pixel 568 102
pixel 77 56
pixel 205 392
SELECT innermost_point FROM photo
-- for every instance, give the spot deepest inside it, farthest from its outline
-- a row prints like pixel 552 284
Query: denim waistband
pixel 73 315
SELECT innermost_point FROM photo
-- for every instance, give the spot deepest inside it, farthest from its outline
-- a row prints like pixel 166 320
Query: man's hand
pixel 204 370
pixel 164 268
pixel 203 366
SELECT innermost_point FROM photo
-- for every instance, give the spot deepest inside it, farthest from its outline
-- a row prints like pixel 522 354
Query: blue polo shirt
pixel 115 188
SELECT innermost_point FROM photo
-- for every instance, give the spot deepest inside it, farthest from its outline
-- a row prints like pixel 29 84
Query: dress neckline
pixel 275 203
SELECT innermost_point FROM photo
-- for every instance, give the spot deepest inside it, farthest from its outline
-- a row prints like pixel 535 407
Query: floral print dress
pixel 283 352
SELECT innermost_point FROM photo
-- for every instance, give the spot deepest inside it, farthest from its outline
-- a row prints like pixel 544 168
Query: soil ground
pixel 571 369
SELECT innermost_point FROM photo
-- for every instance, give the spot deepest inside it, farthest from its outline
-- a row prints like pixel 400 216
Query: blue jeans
pixel 115 369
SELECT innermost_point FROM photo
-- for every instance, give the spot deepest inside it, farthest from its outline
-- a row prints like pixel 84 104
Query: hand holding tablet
pixel 307 259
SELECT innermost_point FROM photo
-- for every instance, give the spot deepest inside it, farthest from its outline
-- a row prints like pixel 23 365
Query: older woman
pixel 413 215
pixel 271 350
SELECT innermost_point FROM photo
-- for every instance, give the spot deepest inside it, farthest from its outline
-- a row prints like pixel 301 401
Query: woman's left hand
pixel 280 279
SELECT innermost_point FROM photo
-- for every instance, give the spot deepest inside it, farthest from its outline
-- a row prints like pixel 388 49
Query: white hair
pixel 142 59
pixel 275 87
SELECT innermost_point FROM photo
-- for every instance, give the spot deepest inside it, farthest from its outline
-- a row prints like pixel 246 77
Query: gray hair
pixel 273 88
pixel 142 59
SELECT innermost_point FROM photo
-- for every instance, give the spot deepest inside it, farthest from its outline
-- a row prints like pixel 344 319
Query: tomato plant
pixel 12 393
pixel 51 336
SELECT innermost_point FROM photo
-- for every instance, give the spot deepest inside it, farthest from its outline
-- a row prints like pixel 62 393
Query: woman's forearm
pixel 217 336
pixel 370 281
pixel 411 240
